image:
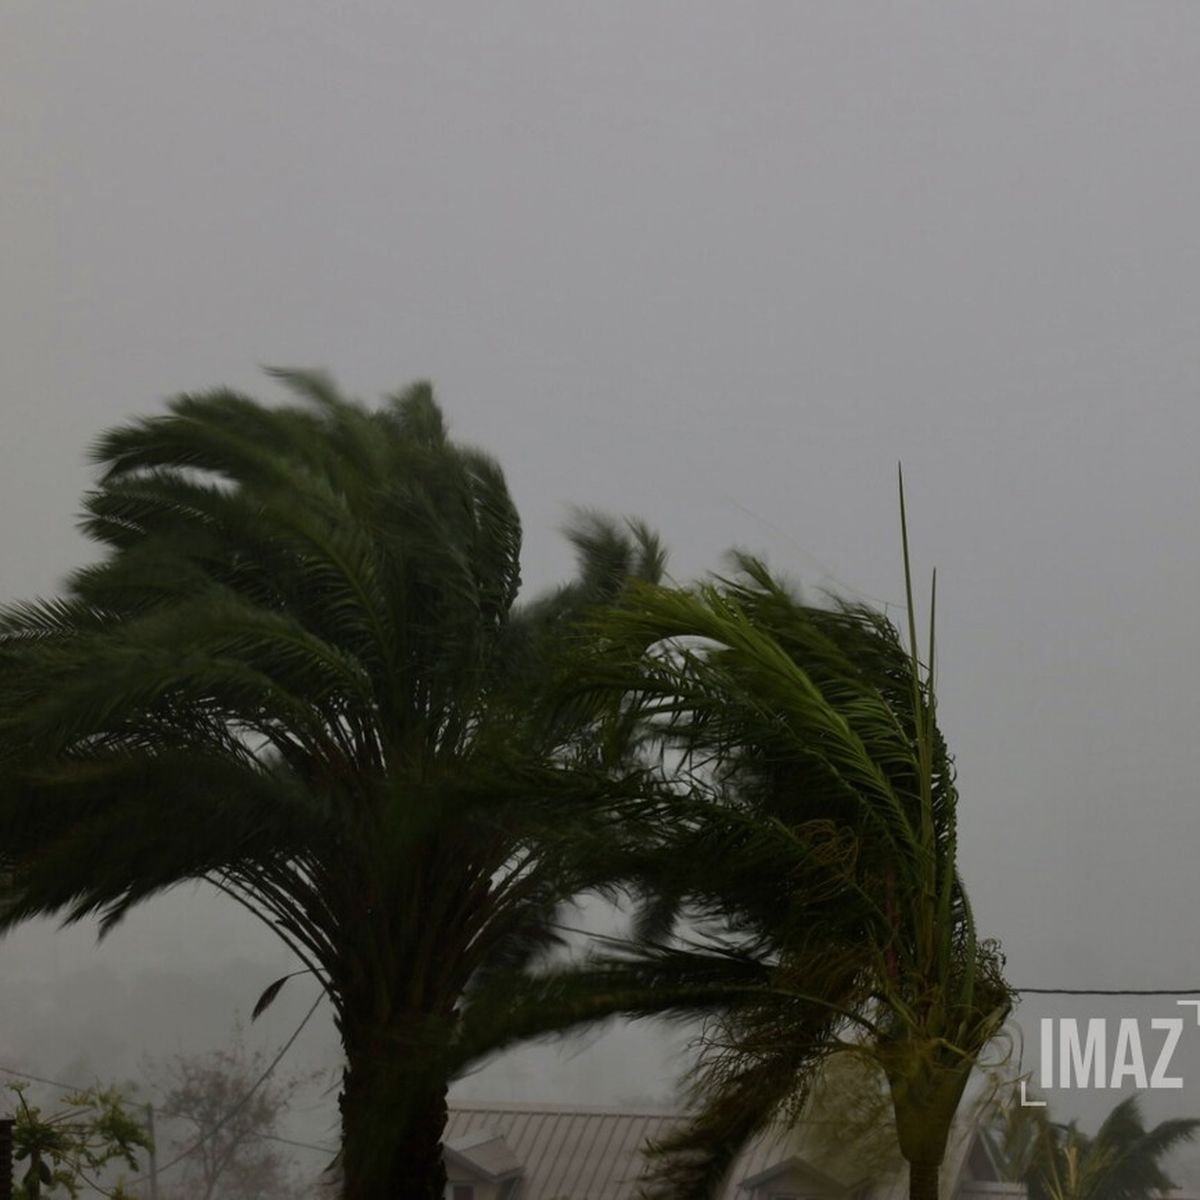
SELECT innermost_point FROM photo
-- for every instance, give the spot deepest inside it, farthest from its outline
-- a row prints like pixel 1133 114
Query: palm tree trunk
pixel 923 1180
pixel 392 1125
pixel 925 1098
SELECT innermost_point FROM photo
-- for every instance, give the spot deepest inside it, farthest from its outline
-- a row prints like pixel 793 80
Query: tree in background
pixel 1122 1160
pixel 226 1108
pixel 75 1146
pixel 299 672
pixel 848 1126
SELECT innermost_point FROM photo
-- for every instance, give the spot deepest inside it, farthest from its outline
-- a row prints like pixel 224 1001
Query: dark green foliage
pixel 1121 1161
pixel 70 1150
pixel 802 829
pixel 298 672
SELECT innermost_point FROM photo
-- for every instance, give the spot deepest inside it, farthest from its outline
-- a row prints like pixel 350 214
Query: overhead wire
pixel 237 1107
pixel 245 1098
pixel 287 1045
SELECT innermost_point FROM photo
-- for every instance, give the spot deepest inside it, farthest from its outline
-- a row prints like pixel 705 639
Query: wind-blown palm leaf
pixel 1123 1160
pixel 808 822
pixel 299 672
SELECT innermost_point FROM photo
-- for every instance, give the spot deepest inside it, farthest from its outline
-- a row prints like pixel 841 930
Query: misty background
pixel 720 266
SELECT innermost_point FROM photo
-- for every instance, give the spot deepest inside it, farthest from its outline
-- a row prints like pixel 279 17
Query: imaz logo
pixel 1097 1054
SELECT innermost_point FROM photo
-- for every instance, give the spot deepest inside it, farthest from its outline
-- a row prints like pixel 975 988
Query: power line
pixel 1032 991
pixel 66 1087
pixel 241 1103
pixel 237 1108
pixel 1023 991
pixel 245 1099
pixel 1108 991
pixel 274 1137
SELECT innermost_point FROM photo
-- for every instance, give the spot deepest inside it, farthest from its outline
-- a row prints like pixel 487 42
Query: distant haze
pixel 718 265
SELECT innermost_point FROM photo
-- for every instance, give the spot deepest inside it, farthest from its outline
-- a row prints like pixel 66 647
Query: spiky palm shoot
pixel 1123 1160
pixel 807 830
pixel 298 672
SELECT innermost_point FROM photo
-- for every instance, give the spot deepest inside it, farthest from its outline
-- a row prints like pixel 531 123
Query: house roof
pixel 485 1153
pixel 796 1164
pixel 588 1153
pixel 566 1150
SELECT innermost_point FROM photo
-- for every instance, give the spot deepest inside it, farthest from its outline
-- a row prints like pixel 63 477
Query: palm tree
pixel 1121 1161
pixel 807 814
pixel 298 673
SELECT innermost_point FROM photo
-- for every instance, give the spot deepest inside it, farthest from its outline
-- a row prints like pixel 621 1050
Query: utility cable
pixel 70 1087
pixel 1108 991
pixel 245 1099
pixel 66 1087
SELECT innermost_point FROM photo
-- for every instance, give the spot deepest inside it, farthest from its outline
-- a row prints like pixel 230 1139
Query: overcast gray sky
pixel 719 265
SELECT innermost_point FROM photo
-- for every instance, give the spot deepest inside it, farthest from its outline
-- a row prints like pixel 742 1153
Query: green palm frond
pixel 299 672
pixel 1123 1160
pixel 807 819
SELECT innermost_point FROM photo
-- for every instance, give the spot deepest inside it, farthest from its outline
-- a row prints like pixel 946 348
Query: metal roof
pixel 567 1151
pixel 486 1151
pixel 576 1152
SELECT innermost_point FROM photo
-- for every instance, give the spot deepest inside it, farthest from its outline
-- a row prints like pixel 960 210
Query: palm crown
pixel 807 810
pixel 1122 1160
pixel 298 673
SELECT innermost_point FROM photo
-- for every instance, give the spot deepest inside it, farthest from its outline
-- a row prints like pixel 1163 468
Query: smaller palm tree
pixel 1121 1161
pixel 806 841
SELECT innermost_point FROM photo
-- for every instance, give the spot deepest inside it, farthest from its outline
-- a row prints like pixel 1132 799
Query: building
pixel 567 1152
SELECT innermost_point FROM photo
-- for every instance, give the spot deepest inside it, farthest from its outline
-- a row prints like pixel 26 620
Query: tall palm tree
pixel 807 810
pixel 298 672
pixel 1121 1161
